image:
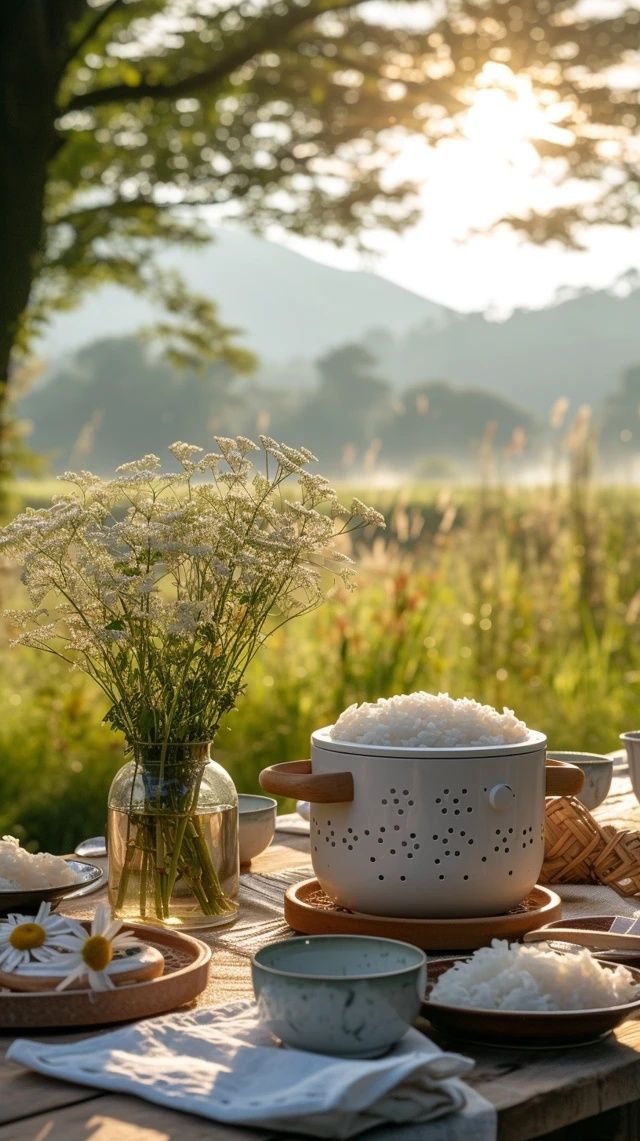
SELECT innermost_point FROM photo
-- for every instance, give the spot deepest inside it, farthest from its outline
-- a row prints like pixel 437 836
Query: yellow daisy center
pixel 27 935
pixel 97 952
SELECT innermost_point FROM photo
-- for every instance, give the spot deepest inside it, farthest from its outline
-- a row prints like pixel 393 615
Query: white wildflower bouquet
pixel 163 585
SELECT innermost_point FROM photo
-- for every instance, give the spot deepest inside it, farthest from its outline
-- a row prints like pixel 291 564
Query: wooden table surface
pixel 586 1093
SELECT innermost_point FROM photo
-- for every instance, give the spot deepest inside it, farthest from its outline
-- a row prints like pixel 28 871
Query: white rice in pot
pixel 516 977
pixel 23 871
pixel 425 721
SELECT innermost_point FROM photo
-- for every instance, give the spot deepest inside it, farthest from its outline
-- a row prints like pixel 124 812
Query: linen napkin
pixel 219 1062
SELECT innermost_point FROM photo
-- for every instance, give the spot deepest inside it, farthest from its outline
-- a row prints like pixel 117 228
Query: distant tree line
pixel 116 399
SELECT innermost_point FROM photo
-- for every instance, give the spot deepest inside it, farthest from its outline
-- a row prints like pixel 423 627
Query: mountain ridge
pixel 295 310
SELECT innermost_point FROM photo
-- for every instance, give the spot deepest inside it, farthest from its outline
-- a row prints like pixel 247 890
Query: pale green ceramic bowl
pixel 353 996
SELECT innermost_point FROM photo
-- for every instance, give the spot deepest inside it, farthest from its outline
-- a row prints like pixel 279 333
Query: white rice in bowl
pixel 24 871
pixel 427 721
pixel 516 977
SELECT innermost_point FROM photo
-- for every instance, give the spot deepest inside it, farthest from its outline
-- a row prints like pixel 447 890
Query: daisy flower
pixel 89 955
pixel 25 939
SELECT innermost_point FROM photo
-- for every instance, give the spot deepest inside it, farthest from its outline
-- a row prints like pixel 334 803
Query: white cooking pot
pixel 425 832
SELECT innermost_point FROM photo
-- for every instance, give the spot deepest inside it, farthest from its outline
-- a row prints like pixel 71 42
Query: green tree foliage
pixel 436 419
pixel 115 400
pixel 119 119
pixel 339 418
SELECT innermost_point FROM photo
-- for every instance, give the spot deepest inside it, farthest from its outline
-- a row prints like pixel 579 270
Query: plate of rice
pixel 529 996
pixel 27 878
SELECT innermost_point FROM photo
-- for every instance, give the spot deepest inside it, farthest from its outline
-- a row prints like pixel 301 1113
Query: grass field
pixel 524 598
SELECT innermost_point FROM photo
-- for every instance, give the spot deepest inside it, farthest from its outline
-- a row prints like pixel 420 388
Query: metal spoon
pixel 599 940
pixel 94 846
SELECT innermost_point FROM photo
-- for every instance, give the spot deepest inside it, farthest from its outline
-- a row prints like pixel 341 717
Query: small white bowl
pixel 354 996
pixel 256 825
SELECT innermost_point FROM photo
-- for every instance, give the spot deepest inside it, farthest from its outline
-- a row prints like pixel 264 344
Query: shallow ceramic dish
pixel 256 825
pixel 598 771
pixel 28 902
pixel 526 1029
pixel 349 995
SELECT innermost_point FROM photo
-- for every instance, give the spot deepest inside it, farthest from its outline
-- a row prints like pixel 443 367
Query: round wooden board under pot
pixel 308 910
pixel 186 971
pixel 136 965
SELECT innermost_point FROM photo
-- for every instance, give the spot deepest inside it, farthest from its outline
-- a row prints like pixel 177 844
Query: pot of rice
pixel 425 806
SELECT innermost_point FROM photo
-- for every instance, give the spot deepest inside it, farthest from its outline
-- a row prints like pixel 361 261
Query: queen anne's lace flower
pixel 166 579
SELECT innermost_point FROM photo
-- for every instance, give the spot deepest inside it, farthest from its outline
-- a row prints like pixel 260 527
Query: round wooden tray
pixel 307 909
pixel 186 970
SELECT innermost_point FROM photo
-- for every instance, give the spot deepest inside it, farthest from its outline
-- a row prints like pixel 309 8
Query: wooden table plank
pixel 116 1117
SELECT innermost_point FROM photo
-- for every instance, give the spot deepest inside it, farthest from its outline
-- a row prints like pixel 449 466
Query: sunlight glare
pixel 505 116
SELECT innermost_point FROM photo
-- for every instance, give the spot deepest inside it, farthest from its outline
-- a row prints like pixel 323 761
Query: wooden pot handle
pixel 562 779
pixel 295 779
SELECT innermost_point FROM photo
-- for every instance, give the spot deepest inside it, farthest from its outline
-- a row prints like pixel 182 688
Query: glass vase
pixel 172 836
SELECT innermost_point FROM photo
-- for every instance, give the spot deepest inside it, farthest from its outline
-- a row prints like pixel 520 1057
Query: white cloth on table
pixel 219 1062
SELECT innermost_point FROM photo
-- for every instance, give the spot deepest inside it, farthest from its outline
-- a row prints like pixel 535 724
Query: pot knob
pixel 501 797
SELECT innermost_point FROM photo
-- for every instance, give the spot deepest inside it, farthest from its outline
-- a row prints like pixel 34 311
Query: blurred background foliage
pixel 516 597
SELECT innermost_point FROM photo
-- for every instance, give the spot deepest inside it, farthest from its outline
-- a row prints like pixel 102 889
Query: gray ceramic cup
pixel 632 745
pixel 597 770
pixel 353 996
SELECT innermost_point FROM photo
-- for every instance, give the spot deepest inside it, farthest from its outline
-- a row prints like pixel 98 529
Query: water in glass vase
pixel 146 888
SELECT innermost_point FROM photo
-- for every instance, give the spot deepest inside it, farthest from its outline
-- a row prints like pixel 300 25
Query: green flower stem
pixel 131 850
pixel 216 898
pixel 153 837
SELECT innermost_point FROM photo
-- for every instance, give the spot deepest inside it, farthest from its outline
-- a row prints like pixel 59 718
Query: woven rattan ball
pixel 579 850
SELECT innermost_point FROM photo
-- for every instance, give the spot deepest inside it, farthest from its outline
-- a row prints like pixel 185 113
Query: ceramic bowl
pixel 597 770
pixel 632 745
pixel 256 824
pixel 353 996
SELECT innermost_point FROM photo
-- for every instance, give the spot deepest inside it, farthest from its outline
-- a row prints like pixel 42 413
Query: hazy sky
pixel 467 185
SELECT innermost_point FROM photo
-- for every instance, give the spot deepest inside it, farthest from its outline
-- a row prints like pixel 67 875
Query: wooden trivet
pixel 310 911
pixel 186 971
pixel 579 850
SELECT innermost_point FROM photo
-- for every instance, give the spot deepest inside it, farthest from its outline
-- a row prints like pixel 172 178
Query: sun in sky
pixel 488 170
pixel 505 116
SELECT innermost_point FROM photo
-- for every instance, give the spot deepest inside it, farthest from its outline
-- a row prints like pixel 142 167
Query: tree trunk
pixel 33 42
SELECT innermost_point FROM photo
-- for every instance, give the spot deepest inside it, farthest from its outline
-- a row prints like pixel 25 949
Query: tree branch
pixel 268 36
pixel 89 32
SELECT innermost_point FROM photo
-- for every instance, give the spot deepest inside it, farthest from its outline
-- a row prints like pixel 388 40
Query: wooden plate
pixel 186 971
pixel 309 910
pixel 523 1028
pixel 28 902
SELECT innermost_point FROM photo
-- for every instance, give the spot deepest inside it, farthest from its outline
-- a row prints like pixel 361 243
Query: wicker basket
pixel 579 850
